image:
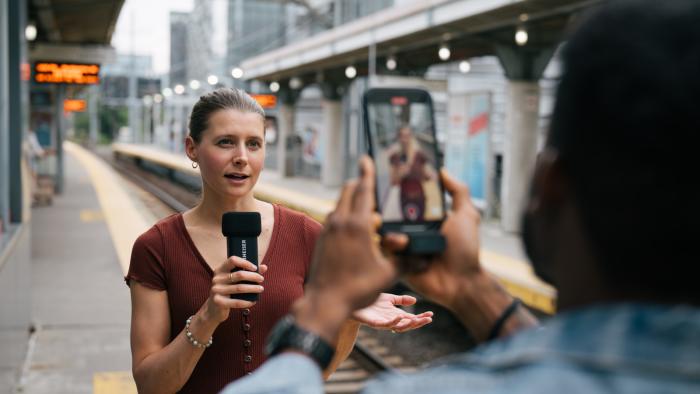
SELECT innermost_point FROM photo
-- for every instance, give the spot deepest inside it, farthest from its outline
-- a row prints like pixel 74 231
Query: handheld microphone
pixel 241 230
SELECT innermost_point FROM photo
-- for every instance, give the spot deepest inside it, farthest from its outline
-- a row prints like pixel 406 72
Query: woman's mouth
pixel 236 178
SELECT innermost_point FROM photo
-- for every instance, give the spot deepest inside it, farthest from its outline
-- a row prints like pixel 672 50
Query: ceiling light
pixel 391 63
pixel 350 72
pixel 237 72
pixel 179 89
pixel 30 32
pixel 212 80
pixel 521 36
pixel 444 52
pixel 194 84
pixel 464 66
pixel 274 87
pixel 295 83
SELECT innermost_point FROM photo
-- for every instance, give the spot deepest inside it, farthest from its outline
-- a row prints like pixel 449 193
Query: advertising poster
pixel 467 146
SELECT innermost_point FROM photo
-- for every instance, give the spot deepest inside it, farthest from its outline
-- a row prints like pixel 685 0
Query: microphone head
pixel 241 224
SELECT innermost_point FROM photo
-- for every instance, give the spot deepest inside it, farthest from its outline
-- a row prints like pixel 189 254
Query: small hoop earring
pixel 194 164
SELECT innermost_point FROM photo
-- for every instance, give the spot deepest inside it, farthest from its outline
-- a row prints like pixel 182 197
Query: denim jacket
pixel 624 348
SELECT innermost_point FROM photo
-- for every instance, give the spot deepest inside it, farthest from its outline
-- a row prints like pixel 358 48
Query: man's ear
pixel 550 185
pixel 190 150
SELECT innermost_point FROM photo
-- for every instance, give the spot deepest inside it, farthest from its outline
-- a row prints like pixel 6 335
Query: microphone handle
pixel 246 248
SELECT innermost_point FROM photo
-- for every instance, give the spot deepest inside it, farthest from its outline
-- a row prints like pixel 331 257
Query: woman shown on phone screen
pixel 409 168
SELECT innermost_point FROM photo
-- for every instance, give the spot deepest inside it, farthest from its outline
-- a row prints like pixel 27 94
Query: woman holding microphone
pixel 187 334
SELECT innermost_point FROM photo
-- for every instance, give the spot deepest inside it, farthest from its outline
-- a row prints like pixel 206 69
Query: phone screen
pixel 401 136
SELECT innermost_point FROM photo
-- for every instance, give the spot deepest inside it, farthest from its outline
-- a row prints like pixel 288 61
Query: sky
pixel 148 20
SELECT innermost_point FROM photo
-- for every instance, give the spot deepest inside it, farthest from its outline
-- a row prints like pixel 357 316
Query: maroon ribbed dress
pixel 165 258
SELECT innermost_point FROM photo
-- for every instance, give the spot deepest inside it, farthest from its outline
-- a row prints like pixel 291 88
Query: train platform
pixel 81 306
pixel 80 249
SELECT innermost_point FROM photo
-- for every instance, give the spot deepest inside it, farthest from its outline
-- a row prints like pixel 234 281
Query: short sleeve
pixel 146 265
pixel 312 230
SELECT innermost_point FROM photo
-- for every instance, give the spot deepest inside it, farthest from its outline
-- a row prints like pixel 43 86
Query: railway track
pixel 369 356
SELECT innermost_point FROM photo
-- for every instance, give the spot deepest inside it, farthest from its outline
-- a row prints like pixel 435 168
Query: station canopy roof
pixel 73 29
pixel 413 33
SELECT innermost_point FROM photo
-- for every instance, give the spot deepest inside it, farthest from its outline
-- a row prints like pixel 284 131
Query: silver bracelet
pixel 193 341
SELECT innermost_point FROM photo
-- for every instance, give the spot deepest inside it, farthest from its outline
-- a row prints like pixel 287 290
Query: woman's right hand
pixel 224 283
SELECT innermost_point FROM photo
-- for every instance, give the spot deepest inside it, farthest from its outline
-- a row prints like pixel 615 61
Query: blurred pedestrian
pixel 187 334
pixel 597 225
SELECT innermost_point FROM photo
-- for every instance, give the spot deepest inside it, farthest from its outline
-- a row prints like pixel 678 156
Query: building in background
pixel 204 54
pixel 115 77
pixel 178 48
pixel 258 26
pixel 254 27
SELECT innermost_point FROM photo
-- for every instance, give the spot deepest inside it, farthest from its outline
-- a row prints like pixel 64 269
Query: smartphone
pixel 400 130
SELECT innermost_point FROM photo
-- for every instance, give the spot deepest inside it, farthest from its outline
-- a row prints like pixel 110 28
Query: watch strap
pixel 287 335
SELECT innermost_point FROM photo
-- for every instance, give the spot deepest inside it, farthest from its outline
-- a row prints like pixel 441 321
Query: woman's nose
pixel 241 157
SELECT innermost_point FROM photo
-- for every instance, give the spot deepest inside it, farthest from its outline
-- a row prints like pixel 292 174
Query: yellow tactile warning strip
pixel 125 225
pixel 514 274
pixel 113 383
pixel 88 215
pixel 123 219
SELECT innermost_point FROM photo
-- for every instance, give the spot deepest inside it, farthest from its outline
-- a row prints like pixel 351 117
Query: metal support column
pixel 18 101
pixel 92 114
pixel 332 165
pixel 524 67
pixel 285 128
pixel 60 135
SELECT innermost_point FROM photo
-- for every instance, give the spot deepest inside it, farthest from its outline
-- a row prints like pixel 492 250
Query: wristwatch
pixel 287 335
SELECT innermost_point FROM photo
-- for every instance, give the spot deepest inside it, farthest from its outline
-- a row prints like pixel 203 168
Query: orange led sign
pixel 68 73
pixel 70 105
pixel 267 101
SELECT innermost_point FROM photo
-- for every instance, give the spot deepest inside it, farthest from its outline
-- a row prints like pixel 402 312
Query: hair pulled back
pixel 220 99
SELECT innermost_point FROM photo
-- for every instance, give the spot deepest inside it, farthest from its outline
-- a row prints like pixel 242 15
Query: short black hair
pixel 219 99
pixel 626 124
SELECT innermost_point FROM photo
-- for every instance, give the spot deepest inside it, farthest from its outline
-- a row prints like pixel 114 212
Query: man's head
pixel 617 179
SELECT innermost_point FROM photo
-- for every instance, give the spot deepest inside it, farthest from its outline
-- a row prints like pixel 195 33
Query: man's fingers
pixel 363 200
pixel 395 242
pixel 376 221
pixel 458 190
pixel 345 201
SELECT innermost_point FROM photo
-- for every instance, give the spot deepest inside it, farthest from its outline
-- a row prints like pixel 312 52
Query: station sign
pixel 66 73
pixel 71 105
pixel 267 101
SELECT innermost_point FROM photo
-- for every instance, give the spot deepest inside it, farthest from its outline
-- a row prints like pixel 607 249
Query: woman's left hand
pixel 384 314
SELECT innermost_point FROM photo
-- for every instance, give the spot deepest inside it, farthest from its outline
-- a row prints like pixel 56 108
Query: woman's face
pixel 231 152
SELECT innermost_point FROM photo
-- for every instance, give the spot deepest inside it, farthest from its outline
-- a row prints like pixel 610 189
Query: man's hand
pixel 455 278
pixel 443 279
pixel 348 270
